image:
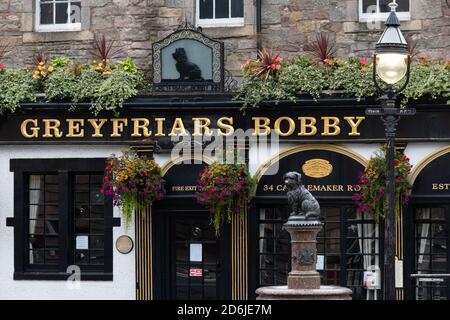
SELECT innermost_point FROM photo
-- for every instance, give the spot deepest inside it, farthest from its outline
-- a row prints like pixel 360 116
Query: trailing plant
pixel 354 76
pixel 372 195
pixel 16 86
pixel 133 182
pixel 226 190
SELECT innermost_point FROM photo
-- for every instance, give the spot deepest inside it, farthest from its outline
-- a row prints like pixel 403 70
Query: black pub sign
pixel 188 61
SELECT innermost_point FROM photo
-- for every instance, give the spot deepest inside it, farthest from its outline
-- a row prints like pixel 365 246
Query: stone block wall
pixel 286 26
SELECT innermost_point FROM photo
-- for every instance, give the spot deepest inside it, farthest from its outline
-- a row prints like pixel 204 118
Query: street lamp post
pixel 391 64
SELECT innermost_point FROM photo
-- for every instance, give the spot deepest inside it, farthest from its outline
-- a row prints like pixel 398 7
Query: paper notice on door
pixel 196 252
pixel 320 262
pixel 82 243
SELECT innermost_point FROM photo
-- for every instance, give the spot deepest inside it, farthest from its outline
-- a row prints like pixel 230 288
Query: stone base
pixel 324 293
pixel 303 279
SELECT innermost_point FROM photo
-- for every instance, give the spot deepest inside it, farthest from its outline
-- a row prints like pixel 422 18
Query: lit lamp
pixel 391 63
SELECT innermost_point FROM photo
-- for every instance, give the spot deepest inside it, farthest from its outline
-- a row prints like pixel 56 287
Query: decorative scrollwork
pixel 231 84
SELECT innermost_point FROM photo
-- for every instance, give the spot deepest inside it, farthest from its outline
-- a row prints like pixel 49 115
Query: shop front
pixel 53 165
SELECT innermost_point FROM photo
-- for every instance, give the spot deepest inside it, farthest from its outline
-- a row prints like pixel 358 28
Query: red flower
pixel 424 58
pixel 2 67
pixel 363 61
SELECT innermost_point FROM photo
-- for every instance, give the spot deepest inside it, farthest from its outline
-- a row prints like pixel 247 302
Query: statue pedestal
pixel 303 281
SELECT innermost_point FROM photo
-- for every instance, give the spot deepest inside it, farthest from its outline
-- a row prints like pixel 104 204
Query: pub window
pixel 347 246
pixel 220 13
pixel 431 252
pixel 58 15
pixel 378 10
pixel 61 220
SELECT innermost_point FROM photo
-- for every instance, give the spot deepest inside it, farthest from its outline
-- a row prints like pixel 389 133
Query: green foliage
pixel 61 85
pixel 60 62
pixel 354 76
pixel 115 90
pixel 129 66
pixel 427 79
pixel 16 86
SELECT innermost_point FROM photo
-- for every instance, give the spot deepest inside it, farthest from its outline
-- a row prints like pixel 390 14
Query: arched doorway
pixel 427 226
pixel 349 243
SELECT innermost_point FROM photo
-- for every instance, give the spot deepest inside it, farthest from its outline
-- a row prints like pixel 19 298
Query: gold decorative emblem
pixel 317 168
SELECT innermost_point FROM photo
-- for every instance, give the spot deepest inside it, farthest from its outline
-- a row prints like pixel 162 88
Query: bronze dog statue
pixel 301 201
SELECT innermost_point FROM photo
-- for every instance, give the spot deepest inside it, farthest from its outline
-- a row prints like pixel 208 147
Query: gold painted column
pixel 399 292
pixel 144 260
pixel 239 257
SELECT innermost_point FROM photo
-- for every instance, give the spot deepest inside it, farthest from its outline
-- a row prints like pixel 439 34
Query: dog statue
pixel 187 70
pixel 302 202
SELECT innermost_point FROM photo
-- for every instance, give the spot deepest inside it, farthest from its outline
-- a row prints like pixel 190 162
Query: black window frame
pixel 66 168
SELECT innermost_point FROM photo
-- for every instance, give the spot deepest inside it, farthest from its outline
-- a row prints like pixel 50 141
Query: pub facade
pixel 62 238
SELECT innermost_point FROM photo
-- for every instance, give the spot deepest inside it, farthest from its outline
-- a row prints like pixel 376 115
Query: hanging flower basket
pixel 133 182
pixel 372 195
pixel 226 190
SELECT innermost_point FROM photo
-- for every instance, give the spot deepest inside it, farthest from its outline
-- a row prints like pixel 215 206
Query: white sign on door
pixel 196 252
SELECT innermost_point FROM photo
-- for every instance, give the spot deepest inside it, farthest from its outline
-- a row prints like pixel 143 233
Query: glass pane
pixel 97 226
pixel 210 255
pixel 82 197
pixel 266 261
pixel 82 211
pixel 51 256
pixel 210 275
pixel 51 227
pixel 438 214
pixel 266 277
pixel 97 197
pixel 206 9
pixel 266 230
pixel 97 242
pixel 222 9
pixel 237 8
pixel 51 242
pixel 36 256
pixel 37 242
pixel 182 252
pixel 36 226
pixel 82 257
pixel 36 197
pixel 61 13
pixel 97 257
pixel 182 276
pixel 97 211
pixel 75 12
pixel 52 212
pixel 210 293
pixel 366 6
pixel 82 226
pixel 46 13
pixel 403 5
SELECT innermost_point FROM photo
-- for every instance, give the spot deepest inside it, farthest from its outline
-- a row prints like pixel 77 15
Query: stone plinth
pixel 303 281
pixel 323 293
pixel 303 234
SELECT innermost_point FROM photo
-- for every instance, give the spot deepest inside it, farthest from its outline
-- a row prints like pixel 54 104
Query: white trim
pixel 381 16
pixel 231 22
pixel 60 27
pixel 219 22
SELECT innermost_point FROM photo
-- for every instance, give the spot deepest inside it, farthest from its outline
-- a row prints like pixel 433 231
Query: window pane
pixel 206 9
pixel 222 9
pixel 403 6
pixel 369 6
pixel 61 13
pixel 46 13
pixel 237 8
pixel 75 12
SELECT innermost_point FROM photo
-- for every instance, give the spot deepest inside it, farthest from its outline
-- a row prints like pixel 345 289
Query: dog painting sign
pixel 188 61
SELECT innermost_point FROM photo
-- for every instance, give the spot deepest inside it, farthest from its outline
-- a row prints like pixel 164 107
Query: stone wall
pixel 287 26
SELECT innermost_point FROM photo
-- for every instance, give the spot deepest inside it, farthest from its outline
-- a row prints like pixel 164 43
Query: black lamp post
pixel 391 63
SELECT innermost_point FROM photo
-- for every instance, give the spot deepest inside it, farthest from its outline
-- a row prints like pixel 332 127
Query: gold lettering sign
pixel 317 168
pixel 283 126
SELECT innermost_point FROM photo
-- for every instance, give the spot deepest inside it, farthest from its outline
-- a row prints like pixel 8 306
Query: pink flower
pixel 2 67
